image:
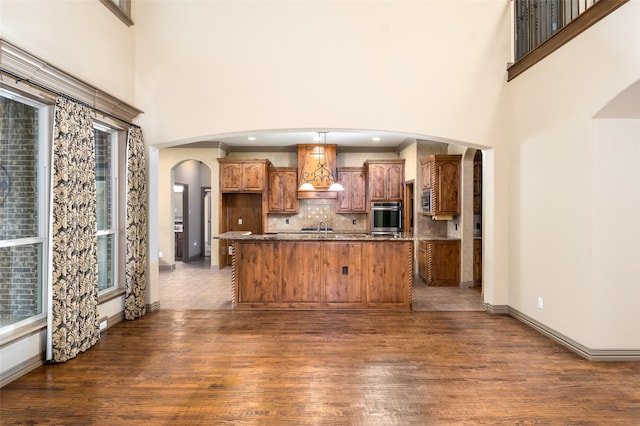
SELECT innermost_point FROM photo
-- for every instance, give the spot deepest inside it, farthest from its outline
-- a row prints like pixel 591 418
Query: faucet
pixel 326 228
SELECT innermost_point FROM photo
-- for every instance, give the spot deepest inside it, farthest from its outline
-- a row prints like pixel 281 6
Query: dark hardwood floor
pixel 325 368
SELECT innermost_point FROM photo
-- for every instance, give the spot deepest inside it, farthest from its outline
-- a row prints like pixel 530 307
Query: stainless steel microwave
pixel 426 202
pixel 386 218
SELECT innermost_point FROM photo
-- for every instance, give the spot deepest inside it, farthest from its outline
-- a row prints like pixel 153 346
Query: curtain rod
pixel 20 79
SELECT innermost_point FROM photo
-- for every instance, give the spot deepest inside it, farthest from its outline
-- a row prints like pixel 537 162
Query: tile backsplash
pixel 311 212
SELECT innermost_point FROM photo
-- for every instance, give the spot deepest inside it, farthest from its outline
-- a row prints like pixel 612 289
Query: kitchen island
pixel 321 271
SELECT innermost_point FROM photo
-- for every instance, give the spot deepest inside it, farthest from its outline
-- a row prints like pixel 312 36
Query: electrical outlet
pixel 103 325
pixel 240 221
pixel 230 250
pixel 286 221
pixel 354 221
pixel 540 303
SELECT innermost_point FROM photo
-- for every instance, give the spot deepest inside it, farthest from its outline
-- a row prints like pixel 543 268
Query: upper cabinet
pixel 386 179
pixel 353 198
pixel 242 175
pixel 441 182
pixel 283 183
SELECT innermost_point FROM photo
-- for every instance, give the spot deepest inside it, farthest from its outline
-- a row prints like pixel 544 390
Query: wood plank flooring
pixel 195 285
pixel 225 367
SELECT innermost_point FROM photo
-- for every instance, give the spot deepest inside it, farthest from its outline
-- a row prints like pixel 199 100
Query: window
pixel 23 230
pixel 106 205
pixel 121 8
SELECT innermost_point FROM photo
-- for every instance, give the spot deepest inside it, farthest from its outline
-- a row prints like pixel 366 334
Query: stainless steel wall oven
pixel 386 218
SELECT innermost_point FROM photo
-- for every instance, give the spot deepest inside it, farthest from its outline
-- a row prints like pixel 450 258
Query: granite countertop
pixel 319 236
pixel 438 239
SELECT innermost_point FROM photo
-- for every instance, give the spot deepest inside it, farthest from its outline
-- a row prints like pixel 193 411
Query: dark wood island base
pixel 322 273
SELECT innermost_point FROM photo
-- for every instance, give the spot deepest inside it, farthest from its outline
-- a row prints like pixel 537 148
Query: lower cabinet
pixel 299 263
pixel 343 272
pixel 256 281
pixel 440 262
pixel 322 274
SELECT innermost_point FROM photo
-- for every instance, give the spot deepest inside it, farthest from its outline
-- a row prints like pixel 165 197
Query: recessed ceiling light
pixel 375 139
pixel 251 138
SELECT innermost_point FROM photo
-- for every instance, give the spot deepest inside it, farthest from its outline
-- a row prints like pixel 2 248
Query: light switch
pixel 239 221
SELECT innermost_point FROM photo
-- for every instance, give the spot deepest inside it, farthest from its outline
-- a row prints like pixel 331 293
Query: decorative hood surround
pixel 309 159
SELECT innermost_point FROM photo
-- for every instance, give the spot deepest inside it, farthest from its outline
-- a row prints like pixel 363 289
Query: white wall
pixel 83 38
pixel 615 268
pixel 213 67
pixel 567 247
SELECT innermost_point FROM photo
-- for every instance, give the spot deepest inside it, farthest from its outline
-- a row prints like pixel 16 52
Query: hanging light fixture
pixel 321 173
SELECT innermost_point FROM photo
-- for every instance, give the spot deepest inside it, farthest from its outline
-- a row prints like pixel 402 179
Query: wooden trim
pixel 21 369
pixel 114 293
pixel 24 331
pixel 588 18
pixel 34 70
pixel 572 345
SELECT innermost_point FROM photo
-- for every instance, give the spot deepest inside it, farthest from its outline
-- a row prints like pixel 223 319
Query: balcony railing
pixel 537 20
pixel 542 26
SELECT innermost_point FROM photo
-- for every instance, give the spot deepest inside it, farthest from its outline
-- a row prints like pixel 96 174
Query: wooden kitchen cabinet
pixel 442 262
pixel 353 198
pixel 343 277
pixel 258 283
pixel 283 190
pixel 388 277
pixel 422 259
pixel 242 175
pixel 386 179
pixel 300 262
pixel 441 181
pixel 321 274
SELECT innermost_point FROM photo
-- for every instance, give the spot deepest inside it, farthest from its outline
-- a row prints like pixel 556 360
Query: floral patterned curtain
pixel 136 227
pixel 74 310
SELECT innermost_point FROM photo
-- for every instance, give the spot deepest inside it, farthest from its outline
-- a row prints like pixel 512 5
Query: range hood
pixel 310 159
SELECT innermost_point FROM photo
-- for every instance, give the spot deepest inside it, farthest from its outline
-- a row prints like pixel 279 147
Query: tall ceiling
pixel 284 138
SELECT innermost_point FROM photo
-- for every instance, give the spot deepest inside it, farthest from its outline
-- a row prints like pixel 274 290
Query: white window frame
pixel 44 135
pixel 113 230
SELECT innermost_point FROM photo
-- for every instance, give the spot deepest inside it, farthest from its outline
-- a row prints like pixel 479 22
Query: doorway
pixel 181 220
pixel 206 221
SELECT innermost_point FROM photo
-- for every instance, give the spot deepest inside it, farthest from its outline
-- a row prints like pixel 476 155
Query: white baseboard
pixel 578 348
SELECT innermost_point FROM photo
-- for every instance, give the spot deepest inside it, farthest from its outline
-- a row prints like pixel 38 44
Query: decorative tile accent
pixel 317 212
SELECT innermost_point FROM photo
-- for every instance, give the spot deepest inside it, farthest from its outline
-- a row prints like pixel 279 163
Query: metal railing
pixel 537 20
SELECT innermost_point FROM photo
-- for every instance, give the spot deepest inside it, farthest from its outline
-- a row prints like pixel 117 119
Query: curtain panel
pixel 74 326
pixel 136 227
